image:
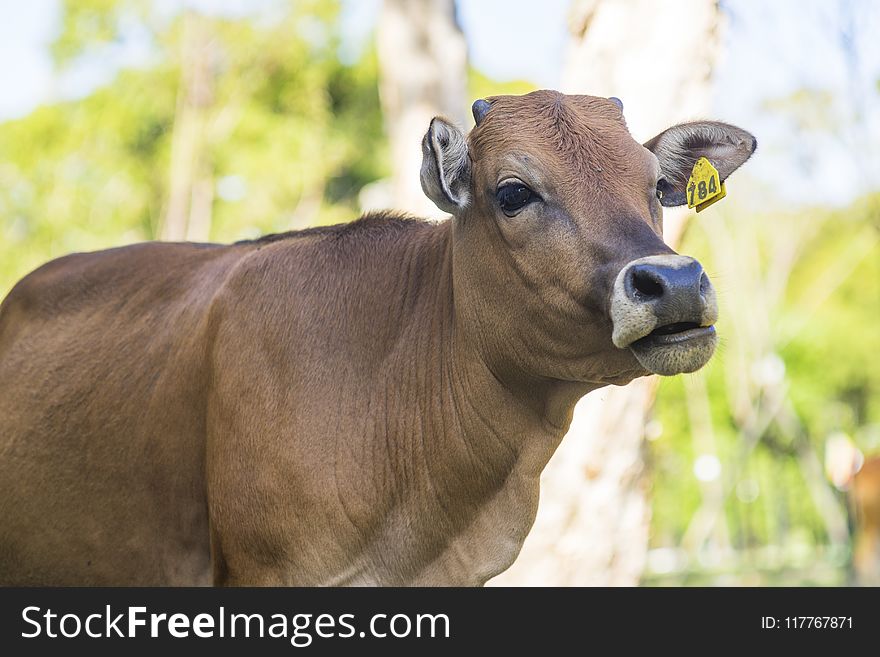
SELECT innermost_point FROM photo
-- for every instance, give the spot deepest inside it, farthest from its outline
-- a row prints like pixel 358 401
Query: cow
pixel 364 404
pixel 859 476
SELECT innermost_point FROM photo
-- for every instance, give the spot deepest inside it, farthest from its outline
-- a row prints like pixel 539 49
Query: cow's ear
pixel 679 147
pixel 446 168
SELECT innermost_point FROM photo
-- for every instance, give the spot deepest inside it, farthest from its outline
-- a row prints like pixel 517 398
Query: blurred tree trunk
pixel 191 184
pixel 593 521
pixel 422 73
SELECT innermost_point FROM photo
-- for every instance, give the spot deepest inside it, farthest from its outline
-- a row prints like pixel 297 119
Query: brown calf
pixel 371 403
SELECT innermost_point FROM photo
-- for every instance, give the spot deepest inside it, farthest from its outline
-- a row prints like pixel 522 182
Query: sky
pixel 25 68
pixel 771 50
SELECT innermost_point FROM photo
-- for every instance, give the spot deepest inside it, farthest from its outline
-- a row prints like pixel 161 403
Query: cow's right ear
pixel 678 148
pixel 446 168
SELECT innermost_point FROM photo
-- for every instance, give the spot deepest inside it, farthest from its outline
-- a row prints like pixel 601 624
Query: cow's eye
pixel 513 197
pixel 662 185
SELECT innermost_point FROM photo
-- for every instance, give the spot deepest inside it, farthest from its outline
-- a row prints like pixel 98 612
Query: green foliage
pixel 823 327
pixel 833 348
pixel 811 110
pixel 286 122
pixel 91 24
pixel 480 86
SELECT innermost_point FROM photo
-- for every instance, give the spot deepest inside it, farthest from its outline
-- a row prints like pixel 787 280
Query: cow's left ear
pixel 679 147
pixel 446 167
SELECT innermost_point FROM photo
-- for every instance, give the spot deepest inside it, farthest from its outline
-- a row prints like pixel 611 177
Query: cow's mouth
pixel 675 348
pixel 675 333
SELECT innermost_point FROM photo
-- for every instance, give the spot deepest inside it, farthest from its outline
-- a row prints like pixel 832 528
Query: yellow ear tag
pixel 704 186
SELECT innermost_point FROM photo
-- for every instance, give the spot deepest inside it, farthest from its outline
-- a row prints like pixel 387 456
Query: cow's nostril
pixel 646 284
pixel 704 283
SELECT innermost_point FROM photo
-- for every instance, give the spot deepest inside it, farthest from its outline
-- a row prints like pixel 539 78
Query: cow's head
pixel 558 257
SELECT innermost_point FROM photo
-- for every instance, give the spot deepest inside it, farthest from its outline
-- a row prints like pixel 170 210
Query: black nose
pixel 676 292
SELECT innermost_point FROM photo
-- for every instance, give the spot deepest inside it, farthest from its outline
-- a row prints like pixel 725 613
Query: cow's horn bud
pixel 479 109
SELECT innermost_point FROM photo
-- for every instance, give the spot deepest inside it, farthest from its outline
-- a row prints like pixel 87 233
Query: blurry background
pixel 129 120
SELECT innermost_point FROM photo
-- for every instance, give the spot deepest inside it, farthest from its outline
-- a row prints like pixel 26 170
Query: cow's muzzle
pixel 663 308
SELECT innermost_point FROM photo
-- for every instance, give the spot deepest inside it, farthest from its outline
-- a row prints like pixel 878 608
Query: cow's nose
pixel 675 288
pixel 661 294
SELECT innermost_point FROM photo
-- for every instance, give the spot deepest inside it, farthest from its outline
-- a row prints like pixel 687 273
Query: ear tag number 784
pixel 704 186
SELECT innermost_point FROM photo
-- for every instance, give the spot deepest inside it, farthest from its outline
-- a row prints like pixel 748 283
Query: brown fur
pixel 364 404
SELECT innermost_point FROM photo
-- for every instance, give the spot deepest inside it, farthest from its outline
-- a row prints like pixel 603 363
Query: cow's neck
pixel 484 432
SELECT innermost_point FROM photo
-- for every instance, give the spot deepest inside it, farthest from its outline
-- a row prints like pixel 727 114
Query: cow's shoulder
pixel 369 228
pixel 326 269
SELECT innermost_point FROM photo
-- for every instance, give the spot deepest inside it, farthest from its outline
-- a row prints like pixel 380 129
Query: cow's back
pixel 102 381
